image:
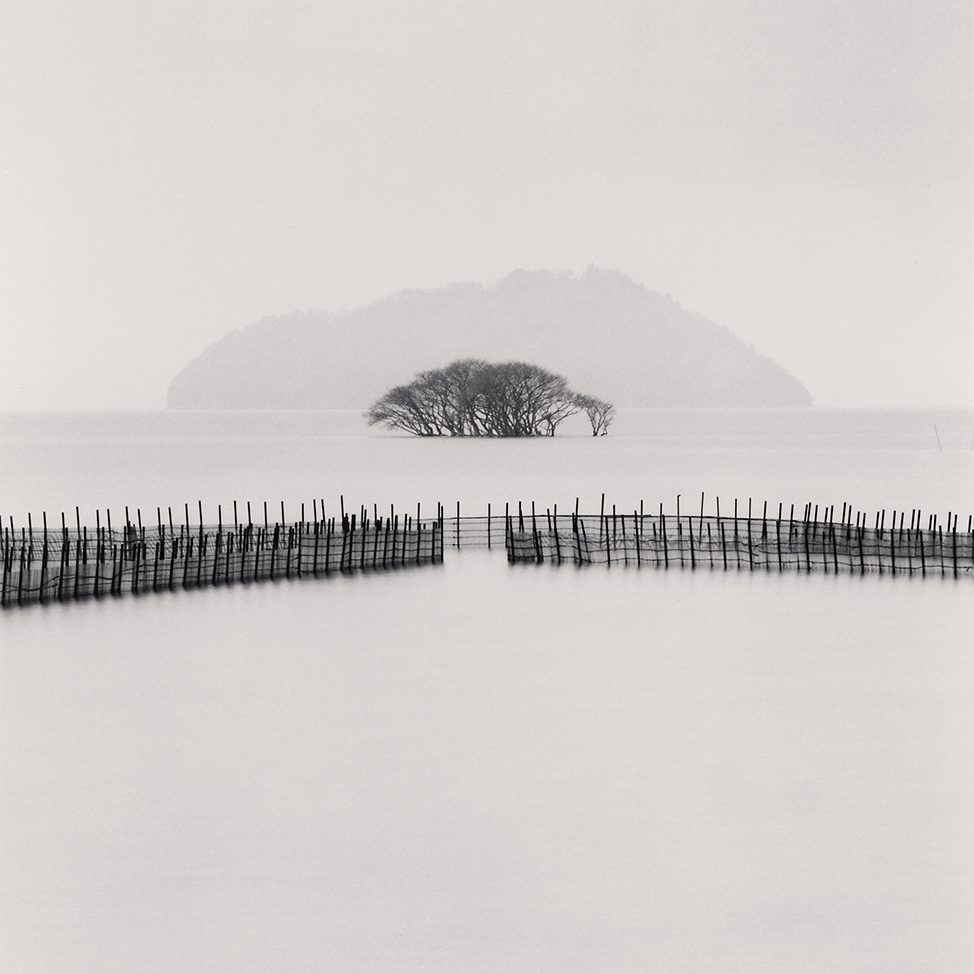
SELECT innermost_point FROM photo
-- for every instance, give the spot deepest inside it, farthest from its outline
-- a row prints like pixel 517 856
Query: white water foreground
pixel 477 767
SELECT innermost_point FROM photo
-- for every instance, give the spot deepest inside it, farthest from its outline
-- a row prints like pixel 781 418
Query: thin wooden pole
pixel 7 559
pixel 585 540
pixel 557 539
pixel 217 546
pixel 65 551
pixel 116 576
pixel 662 530
pixel 20 580
pixel 44 554
pixel 808 555
pixel 174 546
pixel 228 551
pixel 750 547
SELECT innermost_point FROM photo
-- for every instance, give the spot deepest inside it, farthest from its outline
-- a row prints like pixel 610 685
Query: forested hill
pixel 609 336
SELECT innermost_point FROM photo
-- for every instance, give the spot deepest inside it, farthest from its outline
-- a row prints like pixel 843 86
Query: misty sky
pixel 798 171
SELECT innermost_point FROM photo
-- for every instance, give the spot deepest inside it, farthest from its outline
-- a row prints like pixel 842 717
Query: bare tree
pixel 599 412
pixel 471 397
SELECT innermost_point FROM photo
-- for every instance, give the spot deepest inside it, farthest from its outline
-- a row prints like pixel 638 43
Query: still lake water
pixel 478 767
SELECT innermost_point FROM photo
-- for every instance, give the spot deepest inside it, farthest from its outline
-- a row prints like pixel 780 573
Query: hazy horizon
pixel 170 172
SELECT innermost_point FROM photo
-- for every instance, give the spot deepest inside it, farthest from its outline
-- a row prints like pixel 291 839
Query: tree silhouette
pixel 600 413
pixel 471 397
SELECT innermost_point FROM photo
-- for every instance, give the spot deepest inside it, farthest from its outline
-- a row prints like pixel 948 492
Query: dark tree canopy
pixel 471 397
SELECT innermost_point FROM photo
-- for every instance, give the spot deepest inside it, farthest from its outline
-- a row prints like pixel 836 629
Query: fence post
pixel 954 543
pixel 44 562
pixel 99 554
pixel 662 531
pixel 20 581
pixel 509 537
pixel 228 547
pixel 200 552
pixel 173 548
pixel 585 539
pixel 65 553
pixel 136 561
pixel 115 586
pixel 7 557
pixel 314 557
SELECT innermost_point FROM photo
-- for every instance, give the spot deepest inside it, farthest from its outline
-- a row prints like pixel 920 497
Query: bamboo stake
pixel 588 551
pixel 635 531
pixel 666 554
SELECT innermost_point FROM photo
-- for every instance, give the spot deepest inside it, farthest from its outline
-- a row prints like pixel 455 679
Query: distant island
pixel 614 337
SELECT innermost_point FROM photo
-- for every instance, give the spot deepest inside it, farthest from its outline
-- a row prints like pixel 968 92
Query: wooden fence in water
pixel 752 543
pixel 72 563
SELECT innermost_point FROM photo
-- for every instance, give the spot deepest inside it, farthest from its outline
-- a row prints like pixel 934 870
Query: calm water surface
pixel 475 767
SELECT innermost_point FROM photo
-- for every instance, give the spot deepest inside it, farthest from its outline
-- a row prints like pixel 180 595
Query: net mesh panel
pixel 739 543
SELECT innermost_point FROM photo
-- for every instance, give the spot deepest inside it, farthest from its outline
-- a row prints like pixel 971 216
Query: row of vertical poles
pixel 57 565
pixel 134 532
pixel 807 541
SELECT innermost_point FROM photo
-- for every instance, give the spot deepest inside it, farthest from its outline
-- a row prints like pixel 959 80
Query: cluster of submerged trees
pixel 471 397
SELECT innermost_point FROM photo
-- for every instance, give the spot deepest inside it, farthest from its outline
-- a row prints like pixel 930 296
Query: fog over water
pixel 475 766
pixel 800 173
